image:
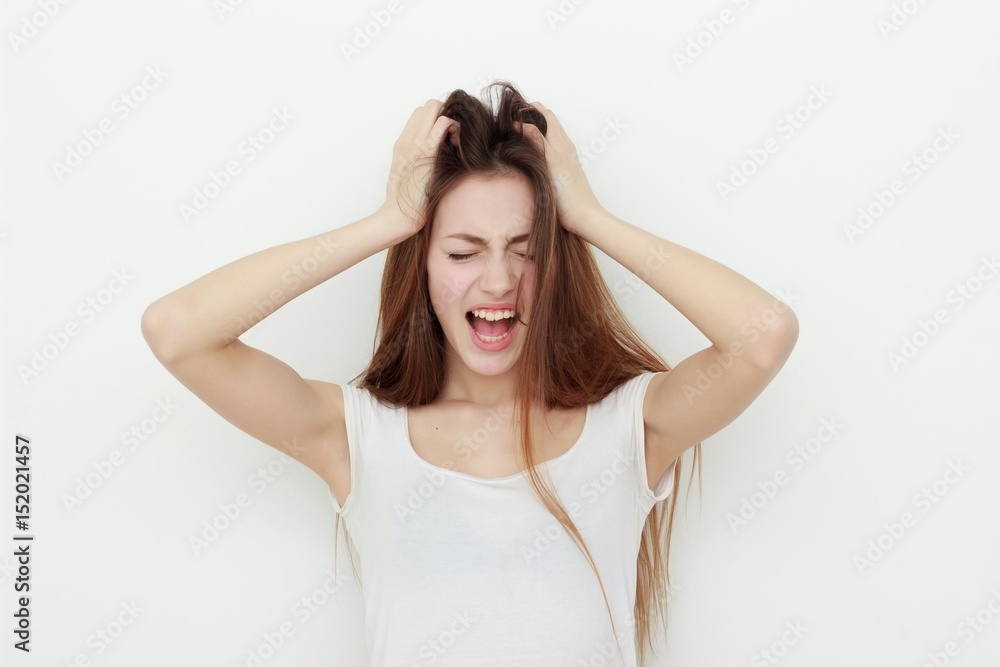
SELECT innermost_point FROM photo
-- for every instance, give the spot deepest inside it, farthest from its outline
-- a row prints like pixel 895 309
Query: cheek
pixel 447 285
pixel 528 278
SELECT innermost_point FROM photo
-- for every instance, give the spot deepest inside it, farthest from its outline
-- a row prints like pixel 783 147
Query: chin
pixel 492 367
pixel 487 363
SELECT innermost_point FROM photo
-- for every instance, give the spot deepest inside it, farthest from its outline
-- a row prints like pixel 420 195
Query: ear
pixel 453 133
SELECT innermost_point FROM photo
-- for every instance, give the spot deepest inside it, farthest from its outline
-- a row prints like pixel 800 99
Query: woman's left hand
pixel 576 203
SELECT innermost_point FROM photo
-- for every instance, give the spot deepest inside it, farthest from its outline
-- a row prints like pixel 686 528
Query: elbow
pixel 776 346
pixel 156 324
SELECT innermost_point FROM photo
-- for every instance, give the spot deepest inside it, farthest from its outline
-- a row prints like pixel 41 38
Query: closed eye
pixel 457 257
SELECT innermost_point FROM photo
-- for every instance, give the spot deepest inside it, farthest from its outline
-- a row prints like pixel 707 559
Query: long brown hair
pixel 596 348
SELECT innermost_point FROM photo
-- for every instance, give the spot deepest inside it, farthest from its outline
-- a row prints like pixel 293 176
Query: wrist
pixel 398 225
pixel 588 220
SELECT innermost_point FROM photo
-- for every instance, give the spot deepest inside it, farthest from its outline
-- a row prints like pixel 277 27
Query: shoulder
pixel 632 390
pixel 623 405
pixel 349 412
pixel 626 409
pixel 346 400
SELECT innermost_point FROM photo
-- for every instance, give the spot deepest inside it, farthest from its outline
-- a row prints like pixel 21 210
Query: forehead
pixel 486 206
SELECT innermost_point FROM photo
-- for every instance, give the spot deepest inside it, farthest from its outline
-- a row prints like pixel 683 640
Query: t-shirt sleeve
pixel 633 396
pixel 356 421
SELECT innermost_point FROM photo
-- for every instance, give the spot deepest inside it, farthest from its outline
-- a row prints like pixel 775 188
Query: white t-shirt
pixel 459 570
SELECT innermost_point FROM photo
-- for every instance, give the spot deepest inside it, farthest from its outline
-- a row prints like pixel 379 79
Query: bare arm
pixel 194 330
pixel 752 333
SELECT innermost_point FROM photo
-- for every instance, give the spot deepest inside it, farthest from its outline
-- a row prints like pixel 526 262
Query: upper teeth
pixel 492 315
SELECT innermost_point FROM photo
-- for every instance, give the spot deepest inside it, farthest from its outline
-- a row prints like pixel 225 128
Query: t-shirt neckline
pixel 488 480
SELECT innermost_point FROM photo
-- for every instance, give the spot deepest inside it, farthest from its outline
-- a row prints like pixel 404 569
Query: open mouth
pixel 491 326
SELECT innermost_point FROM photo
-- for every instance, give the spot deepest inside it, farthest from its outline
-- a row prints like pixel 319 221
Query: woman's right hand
pixel 413 156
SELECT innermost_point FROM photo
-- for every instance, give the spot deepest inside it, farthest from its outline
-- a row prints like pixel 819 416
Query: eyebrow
pixel 480 241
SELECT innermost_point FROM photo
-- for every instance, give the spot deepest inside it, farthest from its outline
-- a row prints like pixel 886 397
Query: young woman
pixel 505 463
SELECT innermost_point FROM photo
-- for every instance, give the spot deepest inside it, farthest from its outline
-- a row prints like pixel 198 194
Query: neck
pixel 464 384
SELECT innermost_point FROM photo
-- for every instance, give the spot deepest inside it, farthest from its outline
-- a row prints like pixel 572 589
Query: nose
pixel 498 277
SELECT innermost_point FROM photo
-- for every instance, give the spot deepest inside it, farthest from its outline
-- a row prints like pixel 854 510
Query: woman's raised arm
pixel 194 331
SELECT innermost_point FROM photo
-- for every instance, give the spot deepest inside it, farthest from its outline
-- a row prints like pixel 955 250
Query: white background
pixel 684 128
